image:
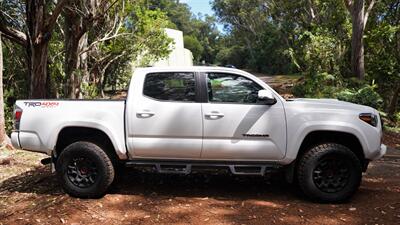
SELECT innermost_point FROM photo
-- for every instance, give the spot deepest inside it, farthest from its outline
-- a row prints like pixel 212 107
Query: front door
pixel 237 126
pixel 166 121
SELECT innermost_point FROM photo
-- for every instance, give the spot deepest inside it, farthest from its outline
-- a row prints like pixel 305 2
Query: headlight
pixel 369 118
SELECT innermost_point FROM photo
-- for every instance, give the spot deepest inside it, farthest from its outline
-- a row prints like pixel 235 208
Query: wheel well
pixel 70 135
pixel 343 138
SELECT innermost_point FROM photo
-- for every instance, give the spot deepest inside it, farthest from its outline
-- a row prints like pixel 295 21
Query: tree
pixel 80 17
pixel 359 18
pixel 194 46
pixel 201 27
pixel 246 20
pixel 39 23
pixel 2 120
pixel 383 52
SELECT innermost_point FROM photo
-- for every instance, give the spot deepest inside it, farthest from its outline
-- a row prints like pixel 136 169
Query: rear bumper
pixel 380 152
pixel 15 140
pixel 28 141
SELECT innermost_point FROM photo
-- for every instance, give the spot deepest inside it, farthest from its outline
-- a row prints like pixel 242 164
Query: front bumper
pixel 380 152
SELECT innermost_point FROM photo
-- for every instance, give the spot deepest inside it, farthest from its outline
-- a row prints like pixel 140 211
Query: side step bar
pixel 175 169
pixel 248 170
pixel 187 168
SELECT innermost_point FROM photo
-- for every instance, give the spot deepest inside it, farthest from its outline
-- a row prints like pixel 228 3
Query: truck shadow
pixel 218 196
pixel 219 185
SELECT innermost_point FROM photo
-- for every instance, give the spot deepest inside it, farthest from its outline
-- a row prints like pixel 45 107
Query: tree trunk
pixel 251 51
pixel 83 58
pixel 38 59
pixel 2 120
pixel 394 100
pixel 357 41
pixel 37 48
pixel 40 24
pixel 72 38
pixel 76 39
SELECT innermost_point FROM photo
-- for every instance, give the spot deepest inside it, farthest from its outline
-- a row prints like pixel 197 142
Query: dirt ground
pixel 30 194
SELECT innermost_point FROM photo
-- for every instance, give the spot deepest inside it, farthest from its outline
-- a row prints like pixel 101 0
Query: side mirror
pixel 267 97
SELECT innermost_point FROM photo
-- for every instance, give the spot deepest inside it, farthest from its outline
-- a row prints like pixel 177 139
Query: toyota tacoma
pixel 178 120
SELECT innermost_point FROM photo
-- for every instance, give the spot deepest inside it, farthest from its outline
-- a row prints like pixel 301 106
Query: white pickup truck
pixel 177 120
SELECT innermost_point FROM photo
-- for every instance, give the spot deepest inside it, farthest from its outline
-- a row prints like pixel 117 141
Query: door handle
pixel 145 114
pixel 214 115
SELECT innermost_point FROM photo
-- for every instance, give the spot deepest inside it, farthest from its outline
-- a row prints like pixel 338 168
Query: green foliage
pixel 317 85
pixel 231 56
pixel 195 46
pixel 383 56
pixel 140 41
pixel 14 79
pixel 318 52
pixel 364 96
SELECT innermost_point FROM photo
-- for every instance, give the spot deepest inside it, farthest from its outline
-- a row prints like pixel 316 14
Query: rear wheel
pixel 329 173
pixel 85 170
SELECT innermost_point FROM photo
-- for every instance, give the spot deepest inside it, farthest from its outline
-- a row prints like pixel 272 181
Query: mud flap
pixel 289 173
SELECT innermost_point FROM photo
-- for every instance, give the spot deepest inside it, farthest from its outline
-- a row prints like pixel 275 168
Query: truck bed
pixel 42 118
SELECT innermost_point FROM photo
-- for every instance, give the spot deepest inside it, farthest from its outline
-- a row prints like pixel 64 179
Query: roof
pixel 191 68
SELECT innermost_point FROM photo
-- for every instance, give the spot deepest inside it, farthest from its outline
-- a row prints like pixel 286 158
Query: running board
pixel 187 168
pixel 248 170
pixel 174 169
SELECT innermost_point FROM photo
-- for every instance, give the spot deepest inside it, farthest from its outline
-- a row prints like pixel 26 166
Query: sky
pixel 203 7
pixel 199 6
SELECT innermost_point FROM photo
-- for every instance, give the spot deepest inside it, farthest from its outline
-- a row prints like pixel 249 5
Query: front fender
pixel 296 136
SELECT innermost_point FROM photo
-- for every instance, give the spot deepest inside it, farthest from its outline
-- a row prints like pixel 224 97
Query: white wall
pixel 179 56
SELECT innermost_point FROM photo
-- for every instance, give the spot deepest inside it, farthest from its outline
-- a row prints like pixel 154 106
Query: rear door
pixel 165 121
pixel 237 126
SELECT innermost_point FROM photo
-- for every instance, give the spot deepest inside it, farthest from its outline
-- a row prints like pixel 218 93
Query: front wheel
pixel 329 173
pixel 85 170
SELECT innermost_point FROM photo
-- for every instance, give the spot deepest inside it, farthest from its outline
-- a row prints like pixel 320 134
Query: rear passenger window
pixel 170 86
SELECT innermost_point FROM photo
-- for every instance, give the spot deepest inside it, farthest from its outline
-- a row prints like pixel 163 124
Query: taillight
pixel 17 117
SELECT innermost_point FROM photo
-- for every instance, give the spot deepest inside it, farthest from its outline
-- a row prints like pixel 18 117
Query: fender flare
pixel 119 147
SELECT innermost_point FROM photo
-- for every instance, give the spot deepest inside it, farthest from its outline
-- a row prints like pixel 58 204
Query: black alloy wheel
pixel 82 172
pixel 331 174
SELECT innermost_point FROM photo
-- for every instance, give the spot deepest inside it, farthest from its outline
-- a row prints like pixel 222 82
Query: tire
pixel 329 173
pixel 84 170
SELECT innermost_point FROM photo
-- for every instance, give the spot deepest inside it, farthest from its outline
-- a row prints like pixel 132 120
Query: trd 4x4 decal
pixel 42 104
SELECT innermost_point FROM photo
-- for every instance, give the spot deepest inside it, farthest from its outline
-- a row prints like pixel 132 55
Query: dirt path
pixel 280 83
pixel 34 197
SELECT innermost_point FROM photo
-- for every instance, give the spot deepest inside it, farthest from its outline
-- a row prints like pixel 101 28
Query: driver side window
pixel 231 88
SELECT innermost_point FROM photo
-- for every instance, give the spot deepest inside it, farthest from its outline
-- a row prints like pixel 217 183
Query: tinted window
pixel 170 86
pixel 231 88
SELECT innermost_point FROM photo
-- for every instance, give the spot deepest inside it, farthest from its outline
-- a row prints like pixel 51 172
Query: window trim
pixel 197 87
pixel 205 88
